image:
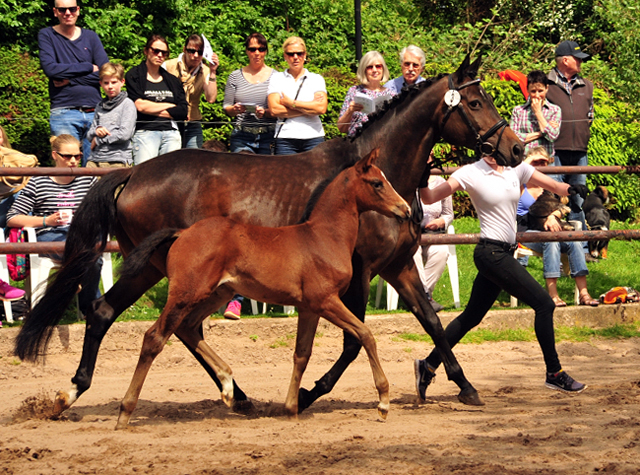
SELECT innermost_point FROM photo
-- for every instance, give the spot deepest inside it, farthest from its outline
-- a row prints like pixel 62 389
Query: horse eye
pixel 377 184
pixel 475 104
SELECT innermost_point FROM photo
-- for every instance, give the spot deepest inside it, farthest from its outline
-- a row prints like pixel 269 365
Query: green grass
pixel 622 268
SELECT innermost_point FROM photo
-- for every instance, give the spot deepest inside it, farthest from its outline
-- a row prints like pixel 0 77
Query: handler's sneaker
pixel 233 310
pixel 561 381
pixel 424 376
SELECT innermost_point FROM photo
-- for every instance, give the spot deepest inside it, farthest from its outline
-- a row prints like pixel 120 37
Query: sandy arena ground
pixel 181 426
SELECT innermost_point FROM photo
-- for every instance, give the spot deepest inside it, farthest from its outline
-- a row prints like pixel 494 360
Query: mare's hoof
pixel 305 399
pixel 470 397
pixel 245 407
pixel 383 413
pixel 61 403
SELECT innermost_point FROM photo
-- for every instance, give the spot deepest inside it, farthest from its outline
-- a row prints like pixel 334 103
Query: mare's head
pixel 469 115
pixel 374 192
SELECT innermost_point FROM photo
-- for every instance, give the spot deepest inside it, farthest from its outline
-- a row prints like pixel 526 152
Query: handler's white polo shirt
pixel 306 126
pixel 494 196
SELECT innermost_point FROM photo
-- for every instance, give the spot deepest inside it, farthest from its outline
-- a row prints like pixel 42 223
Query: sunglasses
pixel 157 51
pixel 253 49
pixel 409 64
pixel 69 156
pixel 63 10
pixel 376 66
pixel 291 54
pixel 194 51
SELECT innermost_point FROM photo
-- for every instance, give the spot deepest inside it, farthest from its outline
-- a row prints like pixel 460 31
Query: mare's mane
pixel 412 90
pixel 317 192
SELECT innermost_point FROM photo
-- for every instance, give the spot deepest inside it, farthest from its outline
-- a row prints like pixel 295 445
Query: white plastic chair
pixel 288 309
pixel 41 268
pixel 452 266
pixel 4 275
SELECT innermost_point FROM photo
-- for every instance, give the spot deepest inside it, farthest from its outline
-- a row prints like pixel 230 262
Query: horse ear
pixel 473 68
pixel 461 72
pixel 366 162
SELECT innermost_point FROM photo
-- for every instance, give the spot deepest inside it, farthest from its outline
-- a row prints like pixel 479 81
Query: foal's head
pixel 374 192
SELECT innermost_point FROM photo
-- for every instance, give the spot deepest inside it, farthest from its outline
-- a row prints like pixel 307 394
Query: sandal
pixel 588 301
pixel 559 302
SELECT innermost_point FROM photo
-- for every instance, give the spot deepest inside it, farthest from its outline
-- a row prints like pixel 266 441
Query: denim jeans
pixel 498 270
pixel 91 282
pixel 148 144
pixel 551 257
pixel 73 122
pixel 241 141
pixel 192 137
pixel 291 146
pixel 570 158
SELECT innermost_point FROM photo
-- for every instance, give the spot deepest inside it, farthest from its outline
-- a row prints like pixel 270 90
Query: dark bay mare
pixel 217 257
pixel 177 189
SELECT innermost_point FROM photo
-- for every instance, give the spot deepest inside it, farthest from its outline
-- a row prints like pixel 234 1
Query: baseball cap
pixel 570 48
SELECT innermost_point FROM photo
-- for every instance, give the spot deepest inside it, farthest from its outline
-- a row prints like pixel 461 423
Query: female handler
pixel 495 191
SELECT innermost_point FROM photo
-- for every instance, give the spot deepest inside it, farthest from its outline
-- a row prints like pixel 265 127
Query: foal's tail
pixel 137 260
pixel 88 236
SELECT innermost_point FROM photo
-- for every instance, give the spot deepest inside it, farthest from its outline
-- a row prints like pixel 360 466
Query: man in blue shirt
pixel 412 61
pixel 71 56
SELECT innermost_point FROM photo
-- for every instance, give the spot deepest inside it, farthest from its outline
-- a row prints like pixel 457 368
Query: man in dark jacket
pixel 71 56
pixel 574 95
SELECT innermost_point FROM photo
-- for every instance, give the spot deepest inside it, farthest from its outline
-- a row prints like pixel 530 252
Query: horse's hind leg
pixel 407 283
pixel 307 325
pixel 101 315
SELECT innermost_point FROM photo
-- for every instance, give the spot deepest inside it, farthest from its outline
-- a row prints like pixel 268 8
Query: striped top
pixel 42 197
pixel 238 89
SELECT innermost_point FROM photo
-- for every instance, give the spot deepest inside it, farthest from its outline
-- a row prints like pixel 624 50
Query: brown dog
pixel 597 218
pixel 546 204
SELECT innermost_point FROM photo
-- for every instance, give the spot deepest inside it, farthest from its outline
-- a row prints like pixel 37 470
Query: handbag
pixel 10 185
pixel 272 145
pixel 18 264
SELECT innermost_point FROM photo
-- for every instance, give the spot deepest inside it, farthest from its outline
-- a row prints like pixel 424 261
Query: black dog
pixel 546 204
pixel 597 218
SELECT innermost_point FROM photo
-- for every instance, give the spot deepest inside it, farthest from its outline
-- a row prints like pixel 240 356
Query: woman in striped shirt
pixel 47 203
pixel 245 98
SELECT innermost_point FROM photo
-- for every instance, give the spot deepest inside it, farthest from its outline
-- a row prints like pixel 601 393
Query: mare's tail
pixel 137 260
pixel 88 236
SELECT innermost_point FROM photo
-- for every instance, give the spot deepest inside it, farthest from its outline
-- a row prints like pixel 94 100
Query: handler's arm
pixel 431 195
pixel 548 183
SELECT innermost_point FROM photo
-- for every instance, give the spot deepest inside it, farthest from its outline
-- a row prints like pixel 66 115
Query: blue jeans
pixel 551 257
pixel 568 158
pixel 91 282
pixel 192 135
pixel 291 146
pixel 73 122
pixel 148 144
pixel 241 141
pixel 498 270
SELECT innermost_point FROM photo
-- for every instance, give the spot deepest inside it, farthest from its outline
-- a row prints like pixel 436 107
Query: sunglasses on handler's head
pixel 253 49
pixel 63 10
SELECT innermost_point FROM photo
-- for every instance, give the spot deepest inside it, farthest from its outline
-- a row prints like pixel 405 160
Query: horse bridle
pixel 452 99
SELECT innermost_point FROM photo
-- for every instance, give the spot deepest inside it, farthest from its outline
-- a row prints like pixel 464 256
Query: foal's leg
pixel 335 311
pixel 407 283
pixel 307 325
pixel 101 315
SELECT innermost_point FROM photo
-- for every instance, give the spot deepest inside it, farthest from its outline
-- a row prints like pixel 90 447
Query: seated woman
pixel 48 203
pixel 551 251
pixel 372 73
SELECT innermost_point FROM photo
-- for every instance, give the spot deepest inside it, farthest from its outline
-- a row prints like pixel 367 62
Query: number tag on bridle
pixel 452 98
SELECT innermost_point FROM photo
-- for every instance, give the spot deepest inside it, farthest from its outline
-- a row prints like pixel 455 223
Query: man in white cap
pixel 574 95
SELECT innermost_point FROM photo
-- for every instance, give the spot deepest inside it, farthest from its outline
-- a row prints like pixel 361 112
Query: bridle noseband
pixel 452 99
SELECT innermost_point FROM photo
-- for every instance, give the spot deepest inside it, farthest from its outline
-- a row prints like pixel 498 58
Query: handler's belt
pixel 505 246
pixel 257 130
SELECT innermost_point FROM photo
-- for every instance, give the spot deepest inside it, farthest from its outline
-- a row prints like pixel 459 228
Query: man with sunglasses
pixel 196 78
pixel 412 60
pixel 71 56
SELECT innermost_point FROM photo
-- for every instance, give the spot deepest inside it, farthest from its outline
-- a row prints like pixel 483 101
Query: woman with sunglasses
pixel 372 73
pixel 245 98
pixel 297 97
pixel 160 101
pixel 47 203
pixel 196 78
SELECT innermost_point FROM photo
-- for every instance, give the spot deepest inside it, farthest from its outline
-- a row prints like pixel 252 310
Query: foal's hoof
pixel 383 412
pixel 245 407
pixel 470 397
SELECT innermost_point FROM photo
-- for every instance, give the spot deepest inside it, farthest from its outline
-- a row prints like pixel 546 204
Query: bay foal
pixel 307 265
